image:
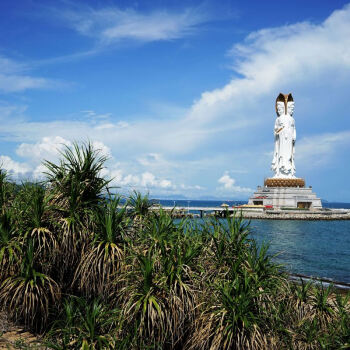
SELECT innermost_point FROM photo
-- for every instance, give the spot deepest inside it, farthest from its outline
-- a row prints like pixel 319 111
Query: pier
pixel 258 213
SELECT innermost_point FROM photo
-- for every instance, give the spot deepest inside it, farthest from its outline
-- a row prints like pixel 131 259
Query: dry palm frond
pixel 73 237
pixel 97 268
pixel 44 240
pixel 27 298
pixel 101 259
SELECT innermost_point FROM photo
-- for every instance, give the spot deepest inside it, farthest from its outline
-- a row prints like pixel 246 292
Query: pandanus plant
pixel 10 245
pixel 77 188
pixel 83 324
pixel 28 295
pixel 157 291
pixel 80 164
pixel 139 207
pixel 233 312
pixel 102 258
pixel 39 228
pixel 142 299
pixel 7 190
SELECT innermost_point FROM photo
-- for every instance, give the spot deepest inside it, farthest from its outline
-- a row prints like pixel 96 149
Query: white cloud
pixel 150 159
pixel 105 126
pixel 39 172
pixel 275 59
pixel 227 181
pixel 165 184
pixel 102 149
pixel 148 179
pixel 228 185
pixel 13 77
pixel 143 181
pixel 13 167
pixel 231 125
pixel 14 83
pixel 320 149
pixel 48 148
pixel 113 24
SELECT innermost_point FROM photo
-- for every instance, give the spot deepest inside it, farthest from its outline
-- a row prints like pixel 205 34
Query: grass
pixel 86 270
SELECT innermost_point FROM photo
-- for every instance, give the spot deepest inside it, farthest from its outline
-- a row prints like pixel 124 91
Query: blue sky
pixel 179 94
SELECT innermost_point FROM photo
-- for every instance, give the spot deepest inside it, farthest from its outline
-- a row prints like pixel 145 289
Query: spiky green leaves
pixel 85 325
pixel 102 258
pixel 10 245
pixel 77 180
pixel 28 295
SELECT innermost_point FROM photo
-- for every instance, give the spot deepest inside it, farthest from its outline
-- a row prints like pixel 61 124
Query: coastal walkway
pixel 255 213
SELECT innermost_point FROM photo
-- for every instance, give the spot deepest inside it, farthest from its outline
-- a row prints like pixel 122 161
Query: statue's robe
pixel 285 135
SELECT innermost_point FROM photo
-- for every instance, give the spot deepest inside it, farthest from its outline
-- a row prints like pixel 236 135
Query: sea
pixel 312 248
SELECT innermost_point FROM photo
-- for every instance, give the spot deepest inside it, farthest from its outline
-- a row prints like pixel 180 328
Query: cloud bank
pixel 227 128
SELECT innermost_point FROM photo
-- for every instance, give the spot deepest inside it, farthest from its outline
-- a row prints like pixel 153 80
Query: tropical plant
pixel 135 277
pixel 83 324
pixel 77 188
pixel 139 210
pixel 28 295
pixel 157 283
pixel 35 215
pixel 103 257
pixel 77 180
pixel 8 190
pixel 241 282
pixel 10 245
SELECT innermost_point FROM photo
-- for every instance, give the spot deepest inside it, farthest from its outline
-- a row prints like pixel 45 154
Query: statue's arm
pixel 277 127
pixel 294 133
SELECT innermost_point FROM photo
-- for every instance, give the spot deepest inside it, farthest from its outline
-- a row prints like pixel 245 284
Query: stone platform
pixel 286 197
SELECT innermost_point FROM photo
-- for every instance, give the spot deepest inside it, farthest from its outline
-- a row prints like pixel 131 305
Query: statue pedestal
pixel 288 193
pixel 282 182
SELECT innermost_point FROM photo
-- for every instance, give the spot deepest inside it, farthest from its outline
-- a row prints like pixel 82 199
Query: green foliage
pixel 10 245
pixel 102 259
pixel 28 294
pixel 139 204
pixel 76 180
pixel 133 277
pixel 83 324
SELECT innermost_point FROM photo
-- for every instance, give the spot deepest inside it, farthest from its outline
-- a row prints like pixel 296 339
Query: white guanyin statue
pixel 285 135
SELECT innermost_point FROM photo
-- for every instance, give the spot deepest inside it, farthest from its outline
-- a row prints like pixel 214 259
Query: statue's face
pixel 280 108
pixel 290 108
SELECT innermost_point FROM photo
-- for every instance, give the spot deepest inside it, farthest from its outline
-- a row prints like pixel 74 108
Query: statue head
pixel 280 108
pixel 285 99
pixel 290 108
